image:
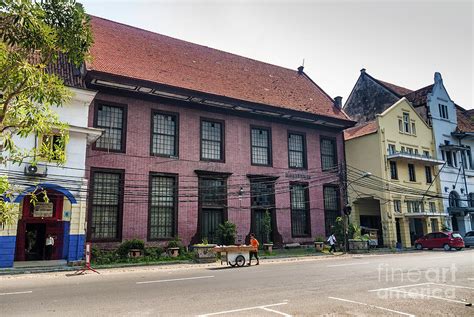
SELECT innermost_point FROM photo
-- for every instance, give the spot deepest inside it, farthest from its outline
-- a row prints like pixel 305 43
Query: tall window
pixel 212 140
pixel 296 150
pixel 112 120
pixel 469 158
pixel 212 201
pixel 400 125
pixel 300 226
pixel 393 170
pixel 413 128
pixel 328 154
pixel 411 173
pixel 454 199
pixel 51 144
pixel 164 135
pixel 406 122
pixel 443 111
pixel 429 177
pixel 331 207
pixel 106 205
pixel 162 207
pixel 261 146
pixel 432 207
pixel 414 206
pixel 397 206
pixel 449 158
pixel 391 149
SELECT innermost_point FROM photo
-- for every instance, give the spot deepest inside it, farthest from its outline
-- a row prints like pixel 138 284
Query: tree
pixel 33 34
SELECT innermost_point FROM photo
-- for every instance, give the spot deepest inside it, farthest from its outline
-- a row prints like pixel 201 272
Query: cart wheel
pixel 240 260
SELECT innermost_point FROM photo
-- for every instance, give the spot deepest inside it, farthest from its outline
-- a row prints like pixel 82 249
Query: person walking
pixel 332 242
pixel 49 246
pixel 254 253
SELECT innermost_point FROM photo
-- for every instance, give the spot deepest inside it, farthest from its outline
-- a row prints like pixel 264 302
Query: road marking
pixel 348 264
pixel 430 296
pixel 455 286
pixel 177 279
pixel 16 293
pixel 244 309
pixel 470 278
pixel 368 305
pixel 276 312
pixel 402 286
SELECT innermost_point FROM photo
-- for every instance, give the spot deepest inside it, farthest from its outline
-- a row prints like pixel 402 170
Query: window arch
pixel 470 200
pixel 454 199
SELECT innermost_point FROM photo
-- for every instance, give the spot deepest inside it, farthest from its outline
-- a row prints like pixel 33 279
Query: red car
pixel 445 240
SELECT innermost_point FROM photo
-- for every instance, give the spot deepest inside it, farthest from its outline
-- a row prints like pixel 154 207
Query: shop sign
pixel 43 209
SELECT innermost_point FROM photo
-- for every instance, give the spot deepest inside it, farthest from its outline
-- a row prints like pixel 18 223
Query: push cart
pixel 234 255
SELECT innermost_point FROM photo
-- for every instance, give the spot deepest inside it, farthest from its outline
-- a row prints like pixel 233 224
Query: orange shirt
pixel 254 243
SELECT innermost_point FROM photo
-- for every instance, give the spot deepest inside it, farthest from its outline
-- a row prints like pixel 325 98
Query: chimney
pixel 338 102
pixel 300 70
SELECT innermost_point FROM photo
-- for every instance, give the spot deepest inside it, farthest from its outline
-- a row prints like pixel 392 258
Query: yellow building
pixel 391 176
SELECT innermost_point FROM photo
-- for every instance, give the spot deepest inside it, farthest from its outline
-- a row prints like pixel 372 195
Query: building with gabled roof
pixel 452 128
pixel 196 136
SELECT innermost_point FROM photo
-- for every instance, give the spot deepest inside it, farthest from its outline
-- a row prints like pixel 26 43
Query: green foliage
pixel 151 255
pixel 320 239
pixel 128 245
pixel 33 34
pixel 226 233
pixel 175 243
pixel 338 230
pixel 267 226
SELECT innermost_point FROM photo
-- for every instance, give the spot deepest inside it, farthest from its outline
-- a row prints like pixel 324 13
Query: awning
pixel 424 214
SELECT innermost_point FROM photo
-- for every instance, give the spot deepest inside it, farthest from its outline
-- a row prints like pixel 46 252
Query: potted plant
pixel 131 248
pixel 203 252
pixel 267 229
pixel 226 233
pixel 319 243
pixel 173 247
pixel 359 243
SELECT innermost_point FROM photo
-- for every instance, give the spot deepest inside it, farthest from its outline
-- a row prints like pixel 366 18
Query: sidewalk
pixel 279 256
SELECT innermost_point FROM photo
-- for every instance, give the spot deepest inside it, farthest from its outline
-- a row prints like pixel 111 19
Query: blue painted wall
pixel 7 251
pixel 76 247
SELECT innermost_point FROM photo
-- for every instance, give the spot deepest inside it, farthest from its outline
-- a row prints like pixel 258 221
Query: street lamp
pixel 348 208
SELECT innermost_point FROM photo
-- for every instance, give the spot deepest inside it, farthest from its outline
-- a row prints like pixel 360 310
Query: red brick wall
pixel 137 164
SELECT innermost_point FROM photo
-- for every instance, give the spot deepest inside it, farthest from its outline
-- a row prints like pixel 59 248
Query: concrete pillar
pixel 405 232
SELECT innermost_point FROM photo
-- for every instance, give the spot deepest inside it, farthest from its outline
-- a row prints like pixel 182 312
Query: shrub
pixel 267 226
pixel 153 253
pixel 175 243
pixel 128 245
pixel 226 233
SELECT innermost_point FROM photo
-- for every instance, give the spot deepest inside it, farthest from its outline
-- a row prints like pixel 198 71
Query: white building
pixel 64 215
pixel 453 136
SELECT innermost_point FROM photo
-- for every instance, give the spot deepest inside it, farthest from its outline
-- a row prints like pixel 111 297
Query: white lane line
pixel 368 305
pixel 242 309
pixel 16 293
pixel 402 286
pixel 455 286
pixel 348 264
pixel 470 278
pixel 177 279
pixel 276 312
pixel 429 296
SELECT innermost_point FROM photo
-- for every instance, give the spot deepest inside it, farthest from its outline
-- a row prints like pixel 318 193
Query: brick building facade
pixel 203 136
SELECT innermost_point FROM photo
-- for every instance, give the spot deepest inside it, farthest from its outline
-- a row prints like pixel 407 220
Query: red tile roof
pixel 418 97
pixel 401 91
pixel 127 51
pixel 465 120
pixel 361 130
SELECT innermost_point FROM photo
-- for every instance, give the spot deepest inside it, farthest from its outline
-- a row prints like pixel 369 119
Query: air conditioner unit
pixel 36 170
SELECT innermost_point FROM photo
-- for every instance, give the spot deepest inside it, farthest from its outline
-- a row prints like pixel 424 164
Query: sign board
pixel 43 209
pixel 88 254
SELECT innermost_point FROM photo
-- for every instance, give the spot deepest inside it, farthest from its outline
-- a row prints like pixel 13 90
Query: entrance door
pixel 416 229
pixel 35 238
pixel 211 218
pixel 259 230
pixel 399 235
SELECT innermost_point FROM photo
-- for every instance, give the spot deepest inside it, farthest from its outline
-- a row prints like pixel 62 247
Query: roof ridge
pixel 386 83
pixel 192 43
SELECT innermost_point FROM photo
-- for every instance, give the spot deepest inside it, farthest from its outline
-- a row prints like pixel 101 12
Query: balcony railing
pixel 399 155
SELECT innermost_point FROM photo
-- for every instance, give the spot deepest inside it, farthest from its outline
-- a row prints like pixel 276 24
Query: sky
pixel 402 42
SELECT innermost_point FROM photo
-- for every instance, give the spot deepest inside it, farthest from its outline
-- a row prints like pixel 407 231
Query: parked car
pixel 469 239
pixel 445 240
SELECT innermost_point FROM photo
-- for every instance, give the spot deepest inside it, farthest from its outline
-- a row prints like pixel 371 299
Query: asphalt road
pixel 426 283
